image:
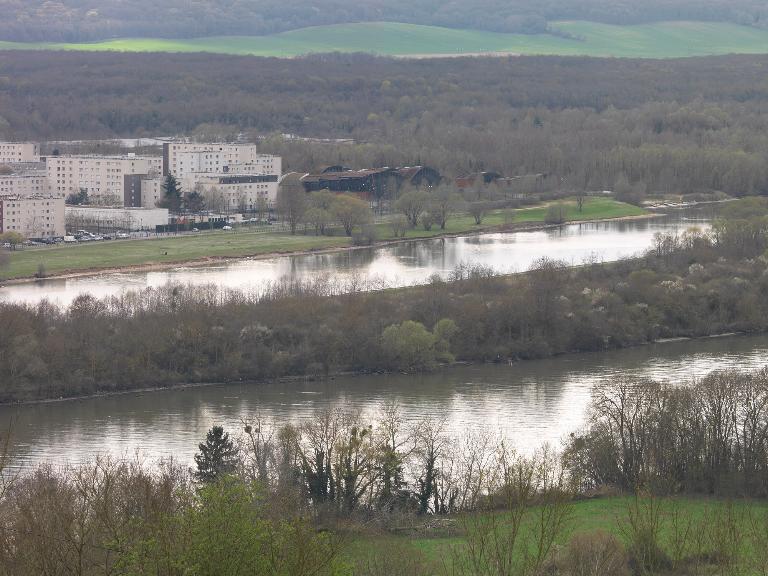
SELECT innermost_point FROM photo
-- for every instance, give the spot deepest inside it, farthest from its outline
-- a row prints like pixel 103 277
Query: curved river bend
pixel 400 264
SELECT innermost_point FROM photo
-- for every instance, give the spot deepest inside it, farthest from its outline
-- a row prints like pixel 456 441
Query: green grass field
pixel 246 241
pixel 601 514
pixel 659 40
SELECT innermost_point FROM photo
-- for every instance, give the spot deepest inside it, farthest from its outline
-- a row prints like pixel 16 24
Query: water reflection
pixel 397 265
pixel 530 402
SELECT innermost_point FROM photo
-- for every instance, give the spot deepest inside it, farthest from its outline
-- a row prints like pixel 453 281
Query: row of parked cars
pixel 85 236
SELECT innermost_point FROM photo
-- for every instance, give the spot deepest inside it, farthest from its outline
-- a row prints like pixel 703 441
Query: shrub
pixel 399 225
pixel 593 554
pixel 556 214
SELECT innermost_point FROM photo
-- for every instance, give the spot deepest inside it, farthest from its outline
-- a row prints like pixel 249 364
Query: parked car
pixel 122 236
pixel 69 239
pixel 226 228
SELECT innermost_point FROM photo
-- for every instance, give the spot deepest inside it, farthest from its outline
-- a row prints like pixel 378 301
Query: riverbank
pixel 353 373
pixel 208 248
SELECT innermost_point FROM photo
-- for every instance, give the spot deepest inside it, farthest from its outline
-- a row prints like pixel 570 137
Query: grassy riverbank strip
pixel 244 242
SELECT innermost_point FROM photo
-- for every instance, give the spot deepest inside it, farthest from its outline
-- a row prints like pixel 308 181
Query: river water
pixel 396 265
pixel 530 402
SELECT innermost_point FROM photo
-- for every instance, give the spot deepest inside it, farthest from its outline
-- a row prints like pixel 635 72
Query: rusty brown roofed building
pixel 372 183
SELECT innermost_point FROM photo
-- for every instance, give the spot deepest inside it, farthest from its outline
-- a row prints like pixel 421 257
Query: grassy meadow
pixel 247 241
pixel 607 515
pixel 658 40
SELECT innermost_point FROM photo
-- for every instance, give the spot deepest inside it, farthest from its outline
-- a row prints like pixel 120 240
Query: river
pixel 400 264
pixel 530 402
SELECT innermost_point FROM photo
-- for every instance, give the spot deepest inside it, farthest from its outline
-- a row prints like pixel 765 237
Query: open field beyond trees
pixel 244 242
pixel 606 514
pixel 571 38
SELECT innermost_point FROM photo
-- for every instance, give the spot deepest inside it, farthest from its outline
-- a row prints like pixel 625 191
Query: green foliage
pixel 350 211
pixel 292 201
pixel 172 195
pixel 410 346
pixel 193 202
pixel 77 198
pixel 556 214
pixel 12 238
pixel 227 533
pixel 217 457
pixel 412 204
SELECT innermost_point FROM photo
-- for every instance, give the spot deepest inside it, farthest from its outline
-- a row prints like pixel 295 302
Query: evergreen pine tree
pixel 171 194
pixel 217 456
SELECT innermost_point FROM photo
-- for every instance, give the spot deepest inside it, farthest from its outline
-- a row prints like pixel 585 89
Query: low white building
pixel 32 216
pixel 113 219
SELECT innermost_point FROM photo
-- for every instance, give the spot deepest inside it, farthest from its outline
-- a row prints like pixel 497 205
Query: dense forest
pixel 694 285
pixel 84 20
pixel 689 125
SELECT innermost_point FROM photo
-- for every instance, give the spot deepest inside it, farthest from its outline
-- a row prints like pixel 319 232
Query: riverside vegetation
pixel 348 494
pixel 691 285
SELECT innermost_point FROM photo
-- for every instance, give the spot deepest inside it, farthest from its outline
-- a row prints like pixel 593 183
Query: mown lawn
pixel 656 40
pixel 245 241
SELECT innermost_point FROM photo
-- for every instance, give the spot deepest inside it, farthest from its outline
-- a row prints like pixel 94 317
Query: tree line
pixel 638 127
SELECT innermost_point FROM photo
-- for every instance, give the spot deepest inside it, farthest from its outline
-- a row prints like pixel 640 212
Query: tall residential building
pixel 34 216
pixel 14 152
pixel 185 158
pixel 102 177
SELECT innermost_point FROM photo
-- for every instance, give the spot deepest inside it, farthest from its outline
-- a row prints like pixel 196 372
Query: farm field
pixel 657 40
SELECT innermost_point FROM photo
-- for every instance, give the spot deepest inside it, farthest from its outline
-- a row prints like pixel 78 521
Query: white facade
pixel 235 192
pixel 152 192
pixel 108 219
pixel 14 152
pixel 102 177
pixel 34 216
pixel 185 158
pixel 24 183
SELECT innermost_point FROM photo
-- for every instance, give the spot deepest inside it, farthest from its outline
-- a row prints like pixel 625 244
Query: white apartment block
pixel 234 192
pixel 24 184
pixel 102 177
pixel 15 152
pixel 185 158
pixel 37 216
